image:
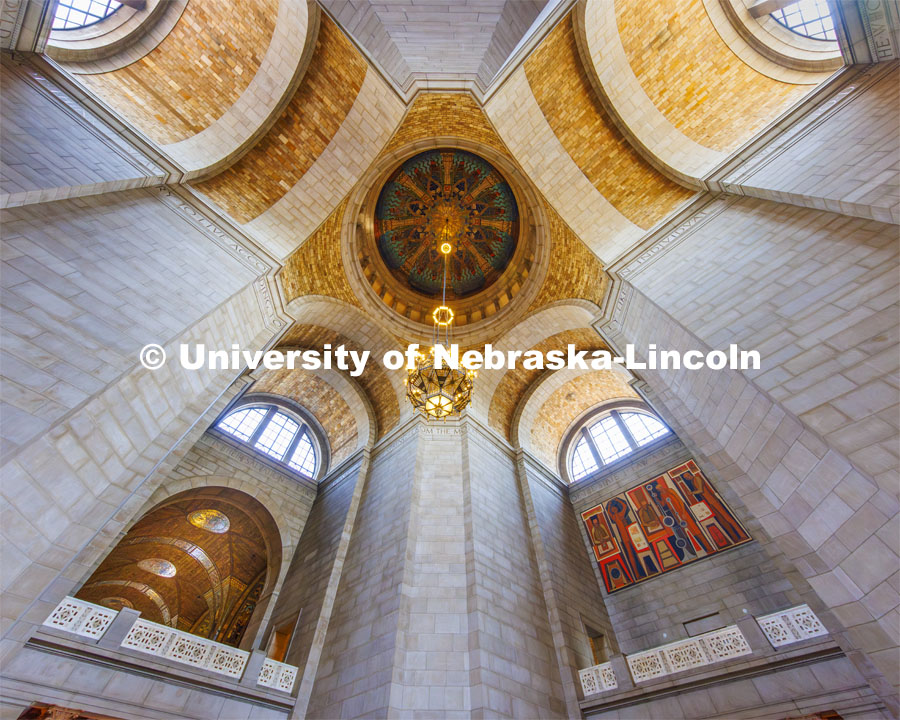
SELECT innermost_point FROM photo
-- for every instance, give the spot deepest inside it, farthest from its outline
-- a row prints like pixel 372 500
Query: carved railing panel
pixel 277 675
pixel 80 617
pixel 598 678
pixel 791 625
pixel 706 649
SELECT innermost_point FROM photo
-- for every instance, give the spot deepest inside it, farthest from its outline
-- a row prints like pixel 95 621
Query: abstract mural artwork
pixel 659 525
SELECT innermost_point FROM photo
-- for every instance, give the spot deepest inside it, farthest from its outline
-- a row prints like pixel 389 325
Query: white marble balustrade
pixel 791 625
pixel 706 649
pixel 92 621
pixel 598 678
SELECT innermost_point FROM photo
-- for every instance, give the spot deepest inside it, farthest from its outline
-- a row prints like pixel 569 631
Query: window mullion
pixel 593 448
pixel 289 453
pixel 270 413
pixel 629 438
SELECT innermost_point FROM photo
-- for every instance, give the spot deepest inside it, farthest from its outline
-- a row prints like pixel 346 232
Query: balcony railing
pixel 80 617
pixel 166 642
pixel 791 625
pixel 694 652
pixel 597 679
pixel 278 675
pixel 92 621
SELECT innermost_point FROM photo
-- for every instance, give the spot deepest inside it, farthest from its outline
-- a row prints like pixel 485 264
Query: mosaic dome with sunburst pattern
pixel 457 190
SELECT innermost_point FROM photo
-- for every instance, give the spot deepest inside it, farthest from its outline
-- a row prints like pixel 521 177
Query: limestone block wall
pixel 843 159
pixel 816 294
pixel 512 655
pixel 570 583
pixel 356 669
pixel 306 585
pixel 115 691
pixel 51 152
pixel 431 671
pixel 72 480
pixel 744 578
pixel 792 690
pixel 87 283
pixel 829 518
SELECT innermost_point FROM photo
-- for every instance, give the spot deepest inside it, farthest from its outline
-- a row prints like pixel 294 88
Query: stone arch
pixel 653 130
pixel 772 40
pixel 345 387
pixel 569 435
pixel 543 406
pixel 539 325
pixel 363 333
pixel 274 529
pixel 165 32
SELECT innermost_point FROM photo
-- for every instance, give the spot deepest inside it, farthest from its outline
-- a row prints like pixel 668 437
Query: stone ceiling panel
pixel 451 39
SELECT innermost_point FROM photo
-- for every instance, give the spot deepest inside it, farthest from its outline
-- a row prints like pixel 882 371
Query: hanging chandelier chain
pixel 440 393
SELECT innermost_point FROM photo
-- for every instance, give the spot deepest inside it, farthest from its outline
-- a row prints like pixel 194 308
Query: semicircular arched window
pixel 75 14
pixel 610 436
pixel 280 436
pixel 809 18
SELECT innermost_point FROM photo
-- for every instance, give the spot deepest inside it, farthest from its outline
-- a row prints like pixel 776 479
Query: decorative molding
pixel 598 679
pixel 791 625
pixel 431 429
pixel 274 321
pixel 694 652
pixel 215 233
pixel 12 13
pixel 662 245
pixel 880 38
pixel 801 129
pixel 615 308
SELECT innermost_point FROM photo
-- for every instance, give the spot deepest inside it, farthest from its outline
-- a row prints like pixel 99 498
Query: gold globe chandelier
pixel 439 393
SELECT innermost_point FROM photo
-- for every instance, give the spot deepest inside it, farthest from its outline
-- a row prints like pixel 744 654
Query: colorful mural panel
pixel 660 525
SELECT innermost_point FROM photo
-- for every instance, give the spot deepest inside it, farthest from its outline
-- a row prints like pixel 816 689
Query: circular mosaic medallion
pixel 211 520
pixel 450 190
pixel 157 566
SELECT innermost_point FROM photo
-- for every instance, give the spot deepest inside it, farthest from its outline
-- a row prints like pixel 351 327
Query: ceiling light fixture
pixel 439 393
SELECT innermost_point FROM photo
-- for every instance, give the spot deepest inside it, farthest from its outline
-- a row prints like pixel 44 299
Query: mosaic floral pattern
pixel 660 525
pixel 450 189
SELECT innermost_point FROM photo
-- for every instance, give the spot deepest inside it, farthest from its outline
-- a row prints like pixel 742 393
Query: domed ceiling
pixel 454 190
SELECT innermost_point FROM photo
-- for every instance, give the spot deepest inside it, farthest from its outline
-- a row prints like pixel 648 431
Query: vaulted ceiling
pixel 455 39
pixel 604 123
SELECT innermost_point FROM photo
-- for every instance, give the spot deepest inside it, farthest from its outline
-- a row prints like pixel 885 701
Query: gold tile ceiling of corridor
pixel 209 566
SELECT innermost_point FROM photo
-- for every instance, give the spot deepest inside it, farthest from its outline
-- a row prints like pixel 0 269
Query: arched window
pixel 74 14
pixel 277 434
pixel 810 18
pixel 610 436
